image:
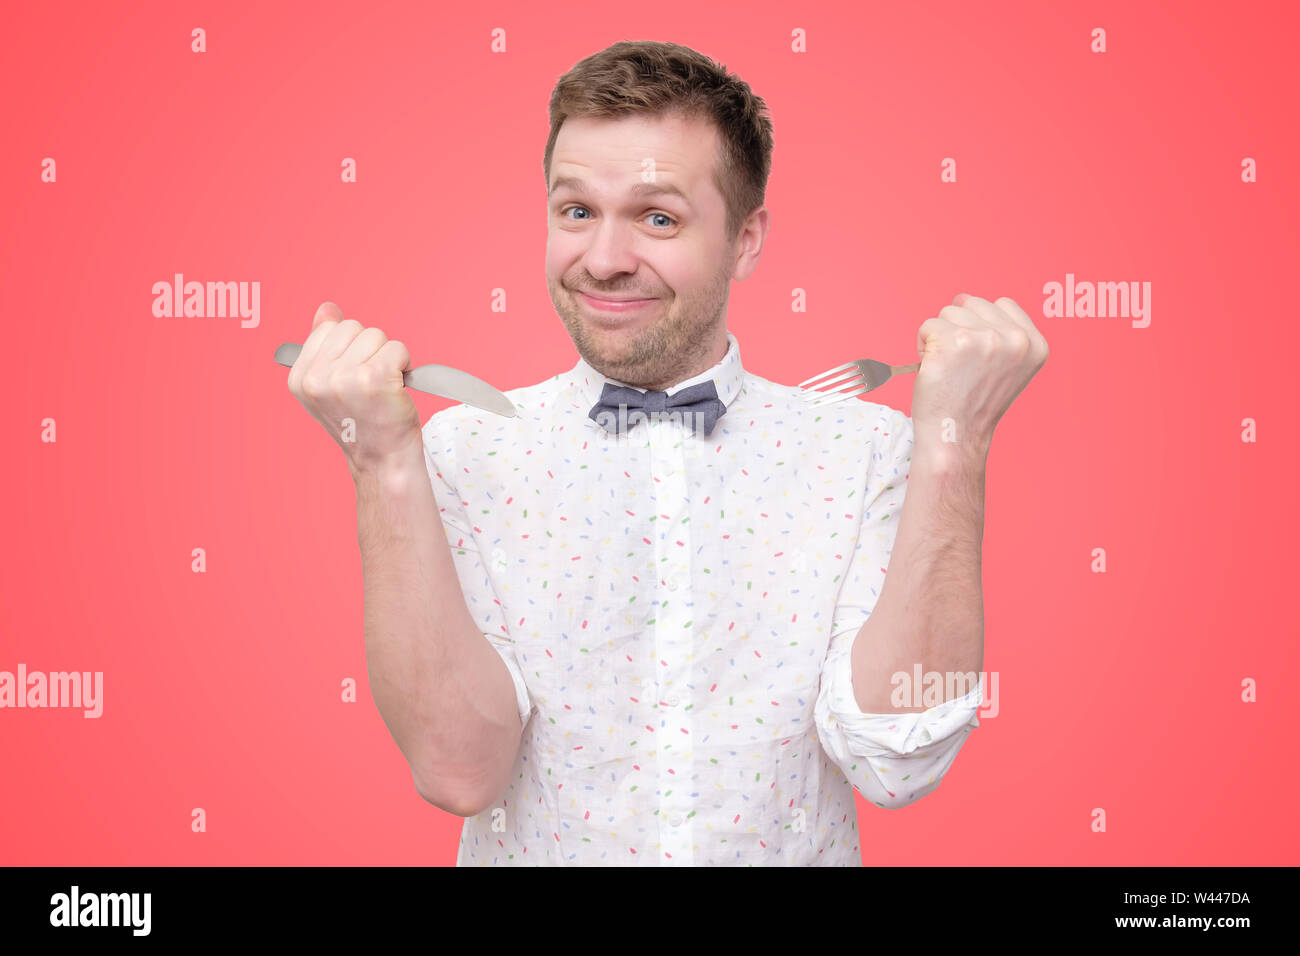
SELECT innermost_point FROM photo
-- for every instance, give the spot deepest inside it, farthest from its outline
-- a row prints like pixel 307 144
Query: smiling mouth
pixel 606 310
pixel 612 298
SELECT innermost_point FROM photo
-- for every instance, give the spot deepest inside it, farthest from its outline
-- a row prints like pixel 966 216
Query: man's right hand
pixel 350 379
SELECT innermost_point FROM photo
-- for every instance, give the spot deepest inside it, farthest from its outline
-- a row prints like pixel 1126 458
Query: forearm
pixel 444 693
pixel 931 607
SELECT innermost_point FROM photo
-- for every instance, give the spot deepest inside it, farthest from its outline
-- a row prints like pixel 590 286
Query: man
pixel 647 621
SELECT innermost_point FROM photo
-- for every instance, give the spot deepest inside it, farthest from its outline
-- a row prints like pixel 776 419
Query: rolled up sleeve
pixel 892 759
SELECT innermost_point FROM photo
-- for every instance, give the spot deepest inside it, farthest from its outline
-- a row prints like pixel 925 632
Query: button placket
pixel 674 644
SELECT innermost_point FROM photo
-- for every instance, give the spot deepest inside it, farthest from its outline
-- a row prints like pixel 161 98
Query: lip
pixel 615 305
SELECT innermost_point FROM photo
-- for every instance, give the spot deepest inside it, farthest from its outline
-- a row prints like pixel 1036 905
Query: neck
pixel 711 356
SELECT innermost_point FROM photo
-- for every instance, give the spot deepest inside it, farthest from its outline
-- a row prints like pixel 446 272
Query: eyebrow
pixel 639 190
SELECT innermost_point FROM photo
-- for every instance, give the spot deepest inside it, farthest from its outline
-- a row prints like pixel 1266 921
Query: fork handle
pixel 900 369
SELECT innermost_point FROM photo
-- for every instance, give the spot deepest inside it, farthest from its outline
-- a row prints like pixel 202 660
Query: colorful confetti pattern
pixel 677 613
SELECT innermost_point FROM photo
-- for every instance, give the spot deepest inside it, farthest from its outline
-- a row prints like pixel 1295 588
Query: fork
pixel 868 373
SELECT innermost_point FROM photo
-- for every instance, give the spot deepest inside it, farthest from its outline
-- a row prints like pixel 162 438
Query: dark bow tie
pixel 620 407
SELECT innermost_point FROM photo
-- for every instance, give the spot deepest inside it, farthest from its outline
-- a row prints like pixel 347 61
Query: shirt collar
pixel 585 384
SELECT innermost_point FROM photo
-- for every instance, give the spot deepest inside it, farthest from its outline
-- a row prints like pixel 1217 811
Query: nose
pixel 612 250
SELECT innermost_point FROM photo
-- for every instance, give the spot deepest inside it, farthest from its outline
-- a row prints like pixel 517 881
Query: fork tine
pixel 848 376
pixel 832 371
pixel 830 398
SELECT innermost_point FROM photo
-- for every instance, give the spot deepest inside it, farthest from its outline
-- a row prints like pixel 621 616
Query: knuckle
pixel 1021 344
pixel 315 385
pixel 339 380
pixel 367 379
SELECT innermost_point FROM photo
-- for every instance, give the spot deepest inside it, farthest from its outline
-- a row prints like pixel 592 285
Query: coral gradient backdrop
pixel 1119 690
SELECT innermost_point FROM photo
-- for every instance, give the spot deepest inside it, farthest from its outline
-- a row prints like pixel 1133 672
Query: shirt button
pixel 676 819
pixel 673 700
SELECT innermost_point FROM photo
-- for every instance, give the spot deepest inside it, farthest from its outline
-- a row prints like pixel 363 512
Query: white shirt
pixel 677 612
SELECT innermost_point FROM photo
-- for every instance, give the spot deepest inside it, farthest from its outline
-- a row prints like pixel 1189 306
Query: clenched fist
pixel 976 357
pixel 350 379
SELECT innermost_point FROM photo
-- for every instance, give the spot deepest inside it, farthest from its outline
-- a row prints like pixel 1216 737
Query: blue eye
pixel 671 221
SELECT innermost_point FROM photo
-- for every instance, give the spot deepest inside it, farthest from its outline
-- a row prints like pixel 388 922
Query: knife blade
pixel 442 380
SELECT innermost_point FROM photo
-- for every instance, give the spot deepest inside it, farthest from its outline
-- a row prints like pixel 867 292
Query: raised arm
pixel 445 694
pixel 447 697
pixel 977 356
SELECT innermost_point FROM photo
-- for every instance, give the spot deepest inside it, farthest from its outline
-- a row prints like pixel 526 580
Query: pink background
pixel 1118 690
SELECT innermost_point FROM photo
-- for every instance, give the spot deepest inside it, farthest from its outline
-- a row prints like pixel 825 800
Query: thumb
pixel 328 312
pixel 923 334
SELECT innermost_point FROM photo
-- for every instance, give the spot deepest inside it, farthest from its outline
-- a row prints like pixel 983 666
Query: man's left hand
pixel 976 357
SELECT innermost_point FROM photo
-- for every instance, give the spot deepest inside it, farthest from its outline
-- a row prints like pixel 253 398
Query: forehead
pixel 614 152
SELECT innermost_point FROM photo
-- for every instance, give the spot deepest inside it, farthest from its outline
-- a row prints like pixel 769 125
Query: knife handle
pixel 288 353
pixel 468 389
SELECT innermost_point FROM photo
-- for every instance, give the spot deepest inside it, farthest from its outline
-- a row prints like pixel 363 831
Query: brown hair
pixel 649 77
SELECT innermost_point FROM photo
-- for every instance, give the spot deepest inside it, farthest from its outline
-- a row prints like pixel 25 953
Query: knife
pixel 440 380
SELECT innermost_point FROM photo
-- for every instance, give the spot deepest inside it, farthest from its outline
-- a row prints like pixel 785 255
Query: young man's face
pixel 611 234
